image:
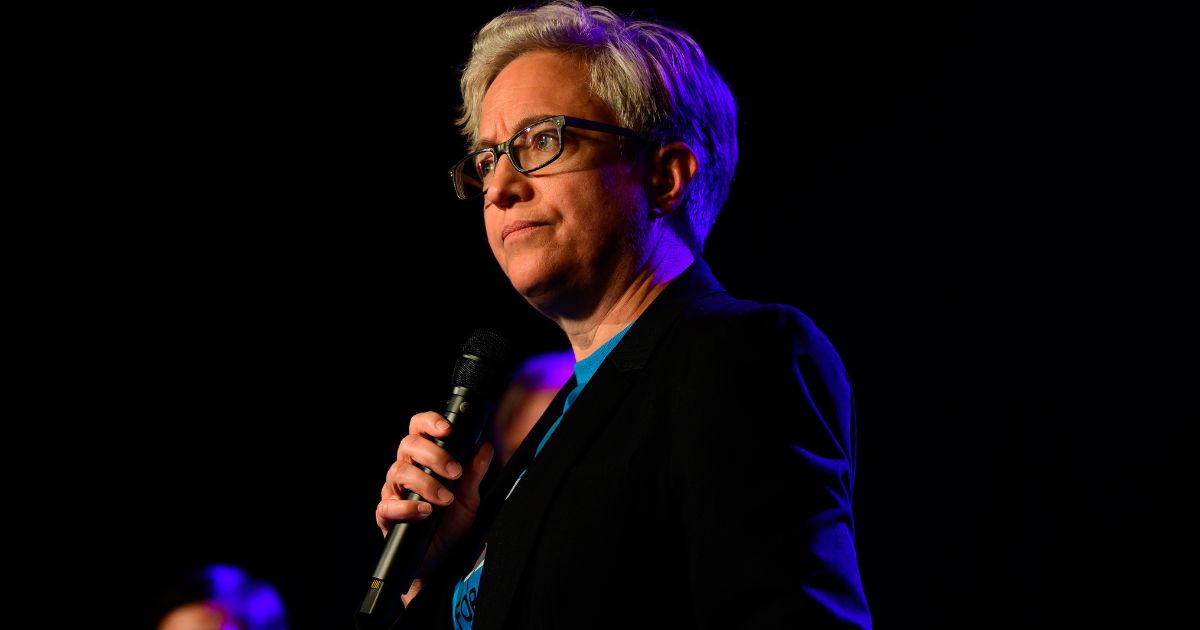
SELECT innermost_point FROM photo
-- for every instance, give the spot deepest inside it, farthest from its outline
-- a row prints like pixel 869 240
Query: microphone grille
pixel 484 350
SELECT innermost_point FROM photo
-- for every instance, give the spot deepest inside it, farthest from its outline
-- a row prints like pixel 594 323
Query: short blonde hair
pixel 654 78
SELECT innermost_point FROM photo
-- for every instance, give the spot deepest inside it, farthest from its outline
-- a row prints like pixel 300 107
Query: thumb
pixel 475 472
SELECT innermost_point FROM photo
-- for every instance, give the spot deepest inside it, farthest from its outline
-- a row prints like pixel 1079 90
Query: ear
pixel 673 167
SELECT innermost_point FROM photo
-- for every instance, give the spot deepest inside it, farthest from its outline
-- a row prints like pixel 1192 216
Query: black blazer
pixel 702 479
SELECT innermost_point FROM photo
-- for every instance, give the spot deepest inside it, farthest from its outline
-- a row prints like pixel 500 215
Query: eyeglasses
pixel 531 148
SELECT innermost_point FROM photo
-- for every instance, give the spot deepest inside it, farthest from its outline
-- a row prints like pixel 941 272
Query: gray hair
pixel 654 78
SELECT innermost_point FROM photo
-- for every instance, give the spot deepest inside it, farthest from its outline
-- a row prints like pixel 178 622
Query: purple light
pixel 253 602
pixel 548 370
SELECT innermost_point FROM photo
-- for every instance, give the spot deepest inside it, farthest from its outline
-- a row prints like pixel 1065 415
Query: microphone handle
pixel 407 542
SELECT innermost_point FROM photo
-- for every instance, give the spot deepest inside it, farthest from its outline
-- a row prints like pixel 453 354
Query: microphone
pixel 484 357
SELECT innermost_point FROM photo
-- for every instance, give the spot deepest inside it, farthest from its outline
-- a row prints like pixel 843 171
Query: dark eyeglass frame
pixel 503 148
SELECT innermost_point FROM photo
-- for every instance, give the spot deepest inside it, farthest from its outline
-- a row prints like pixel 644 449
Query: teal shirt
pixel 467 589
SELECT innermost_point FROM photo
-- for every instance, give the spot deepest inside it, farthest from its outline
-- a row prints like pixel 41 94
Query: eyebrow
pixel 521 124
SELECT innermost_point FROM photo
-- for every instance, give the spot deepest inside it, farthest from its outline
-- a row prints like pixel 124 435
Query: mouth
pixel 517 228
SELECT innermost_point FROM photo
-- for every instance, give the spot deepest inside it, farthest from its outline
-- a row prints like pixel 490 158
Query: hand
pixel 405 475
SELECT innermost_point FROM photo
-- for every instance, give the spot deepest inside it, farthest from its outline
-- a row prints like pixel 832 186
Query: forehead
pixel 539 84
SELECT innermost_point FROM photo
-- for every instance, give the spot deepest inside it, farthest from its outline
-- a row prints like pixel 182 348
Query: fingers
pixel 391 511
pixel 429 423
pixel 419 449
pixel 408 473
pixel 395 504
pixel 406 478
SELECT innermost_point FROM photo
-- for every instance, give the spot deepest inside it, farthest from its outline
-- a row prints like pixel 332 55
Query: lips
pixel 517 226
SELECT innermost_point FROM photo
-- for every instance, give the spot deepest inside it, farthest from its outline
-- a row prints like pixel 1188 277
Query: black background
pixel 283 277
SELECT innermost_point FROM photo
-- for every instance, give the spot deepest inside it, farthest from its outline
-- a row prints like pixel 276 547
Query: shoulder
pixel 737 357
pixel 728 326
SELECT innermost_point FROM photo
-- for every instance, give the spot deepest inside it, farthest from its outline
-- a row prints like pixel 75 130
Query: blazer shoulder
pixel 740 323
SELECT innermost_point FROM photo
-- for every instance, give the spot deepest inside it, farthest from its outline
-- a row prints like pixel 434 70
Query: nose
pixel 507 186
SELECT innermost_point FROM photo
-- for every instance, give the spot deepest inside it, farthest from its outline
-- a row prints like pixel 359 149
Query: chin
pixel 526 273
pixel 538 290
pixel 532 291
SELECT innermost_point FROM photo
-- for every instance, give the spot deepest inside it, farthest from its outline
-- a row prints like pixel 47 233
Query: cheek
pixel 619 206
pixel 591 206
pixel 493 221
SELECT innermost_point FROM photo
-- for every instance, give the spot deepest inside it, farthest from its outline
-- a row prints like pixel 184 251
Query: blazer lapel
pixel 519 516
pixel 515 530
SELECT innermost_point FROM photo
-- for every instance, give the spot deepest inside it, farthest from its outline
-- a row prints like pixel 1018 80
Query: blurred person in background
pixel 533 385
pixel 219 597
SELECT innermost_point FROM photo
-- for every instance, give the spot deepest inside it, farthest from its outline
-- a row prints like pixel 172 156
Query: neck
pixel 624 300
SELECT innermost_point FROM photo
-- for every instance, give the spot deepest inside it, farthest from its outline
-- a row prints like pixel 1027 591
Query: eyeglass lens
pixel 531 149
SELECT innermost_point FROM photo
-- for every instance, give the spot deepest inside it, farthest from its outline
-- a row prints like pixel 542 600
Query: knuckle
pixel 409 442
pixel 419 419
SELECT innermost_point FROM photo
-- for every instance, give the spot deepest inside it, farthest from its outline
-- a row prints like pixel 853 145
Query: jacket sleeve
pixel 762 473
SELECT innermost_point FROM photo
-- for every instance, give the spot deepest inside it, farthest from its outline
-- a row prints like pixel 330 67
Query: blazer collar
pixel 634 350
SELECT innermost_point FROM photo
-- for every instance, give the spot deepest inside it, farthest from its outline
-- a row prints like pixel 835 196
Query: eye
pixel 545 141
pixel 485 164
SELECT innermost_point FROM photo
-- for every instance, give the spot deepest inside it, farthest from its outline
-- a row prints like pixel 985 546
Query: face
pixel 198 616
pixel 567 234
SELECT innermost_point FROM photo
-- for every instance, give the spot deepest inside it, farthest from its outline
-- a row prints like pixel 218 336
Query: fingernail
pixel 445 494
pixel 442 425
pixel 424 508
pixel 453 470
